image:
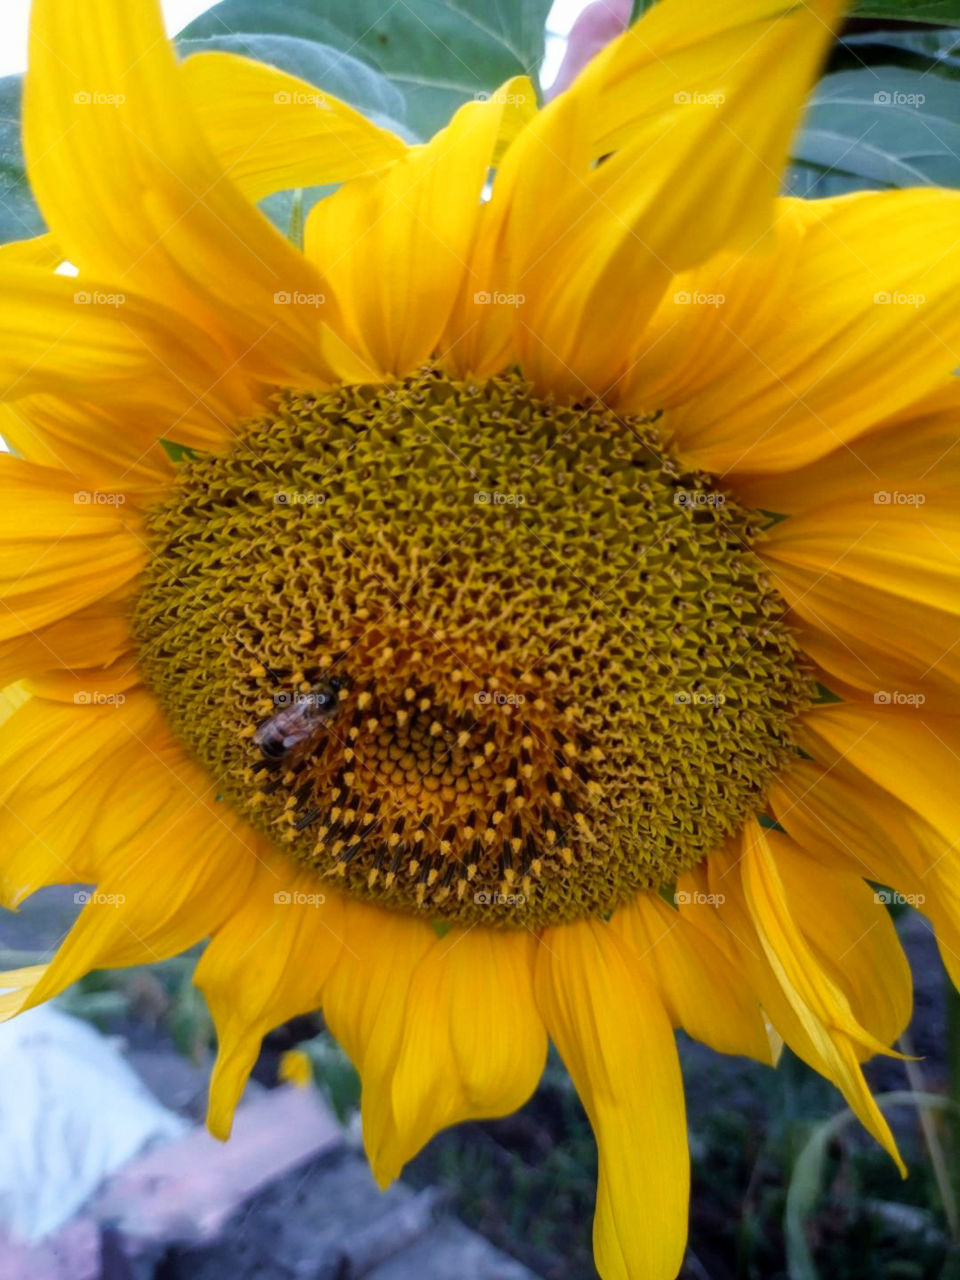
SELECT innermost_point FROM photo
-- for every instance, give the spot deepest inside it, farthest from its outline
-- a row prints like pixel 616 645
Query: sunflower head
pixel 494 586
pixel 469 650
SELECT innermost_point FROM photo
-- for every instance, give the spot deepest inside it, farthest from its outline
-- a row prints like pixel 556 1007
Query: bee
pixel 299 721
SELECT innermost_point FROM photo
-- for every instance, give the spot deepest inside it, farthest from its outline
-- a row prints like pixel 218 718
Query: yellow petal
pixel 16 985
pixel 266 963
pixel 806 1005
pixel 89 340
pixel 365 1003
pixel 102 447
pixel 132 192
pixel 714 309
pixel 697 111
pixel 395 246
pixel 296 1068
pixel 482 333
pixel 912 757
pixel 41 251
pixel 844 819
pixel 854 941
pixel 59 765
pixel 912 454
pixel 820 1006
pixel 701 989
pixel 73 686
pixel 688 50
pixel 698 893
pixel 880 581
pixel 59 549
pixel 96 635
pixel 842 319
pixel 473 1044
pixel 12 698
pixel 272 131
pixel 167 885
pixel 601 1010
pixel 892 548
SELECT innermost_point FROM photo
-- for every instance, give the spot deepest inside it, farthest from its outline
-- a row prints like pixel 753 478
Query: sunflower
pixel 525 610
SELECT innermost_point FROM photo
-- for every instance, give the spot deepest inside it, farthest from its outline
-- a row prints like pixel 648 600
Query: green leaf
pixel 943 11
pixel 19 216
pixel 826 697
pixel 806 1181
pixel 936 51
pixel 878 127
pixel 178 452
pixel 770 824
pixel 439 53
pixel 296 220
pixel 288 210
pixel 191 1026
pixel 334 1074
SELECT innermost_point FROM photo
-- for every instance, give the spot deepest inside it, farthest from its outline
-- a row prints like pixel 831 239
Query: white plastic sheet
pixel 71 1112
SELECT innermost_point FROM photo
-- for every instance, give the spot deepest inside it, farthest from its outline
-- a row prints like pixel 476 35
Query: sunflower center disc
pixel 470 652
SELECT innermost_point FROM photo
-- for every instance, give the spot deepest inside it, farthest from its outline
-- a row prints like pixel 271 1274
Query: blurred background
pixel 785 1183
pixel 15 18
pixel 105 1170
